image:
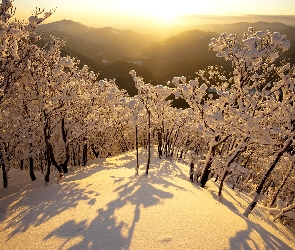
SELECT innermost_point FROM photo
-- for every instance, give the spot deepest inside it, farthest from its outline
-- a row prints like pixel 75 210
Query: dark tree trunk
pixel 74 156
pixel 207 170
pixel 136 145
pixel 32 174
pixel 49 149
pixel 181 154
pixel 41 163
pixel 160 144
pixel 191 171
pixel 64 165
pixel 84 157
pixel 233 157
pixel 225 173
pixel 48 170
pixel 96 154
pixel 5 179
pixel 149 141
pixel 79 152
pixel 281 186
pixel 21 164
pixel 264 178
pixel 52 159
pixel 206 174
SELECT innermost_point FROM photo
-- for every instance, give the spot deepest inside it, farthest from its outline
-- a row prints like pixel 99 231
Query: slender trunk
pixel 48 169
pixel 192 171
pixel 225 173
pixel 64 165
pixel 149 141
pixel 41 162
pixel 160 144
pixel 52 159
pixel 281 186
pixel 96 154
pixel 181 154
pixel 232 157
pixel 5 179
pixel 136 145
pixel 32 174
pixel 31 164
pixel 74 156
pixel 21 164
pixel 84 157
pixel 208 162
pixel 49 149
pixel 264 178
pixel 267 186
pixel 79 152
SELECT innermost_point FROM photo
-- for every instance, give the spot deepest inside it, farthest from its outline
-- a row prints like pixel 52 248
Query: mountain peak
pixel 67 26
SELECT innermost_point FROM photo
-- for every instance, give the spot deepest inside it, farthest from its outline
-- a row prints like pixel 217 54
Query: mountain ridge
pixel 114 52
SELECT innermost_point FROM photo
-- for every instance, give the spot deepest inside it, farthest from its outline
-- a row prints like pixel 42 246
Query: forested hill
pixel 240 27
pixel 113 52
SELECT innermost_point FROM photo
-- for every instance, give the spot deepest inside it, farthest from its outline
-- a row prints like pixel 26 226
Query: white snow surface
pixel 106 206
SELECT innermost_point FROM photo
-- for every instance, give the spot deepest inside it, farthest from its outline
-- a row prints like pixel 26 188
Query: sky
pixel 100 13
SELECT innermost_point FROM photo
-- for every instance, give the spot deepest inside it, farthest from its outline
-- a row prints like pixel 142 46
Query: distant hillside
pixel 67 26
pixel 240 27
pixel 100 44
pixel 113 52
pixel 182 54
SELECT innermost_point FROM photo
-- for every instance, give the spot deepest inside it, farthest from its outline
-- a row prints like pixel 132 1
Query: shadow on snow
pixel 107 230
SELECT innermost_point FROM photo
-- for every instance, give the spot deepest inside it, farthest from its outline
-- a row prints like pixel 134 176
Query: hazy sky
pixel 109 12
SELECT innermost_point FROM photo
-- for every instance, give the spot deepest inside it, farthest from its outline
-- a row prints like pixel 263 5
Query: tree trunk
pixel 149 141
pixel 32 174
pixel 49 149
pixel 264 178
pixel 5 179
pixel 64 165
pixel 48 170
pixel 206 171
pixel 79 157
pixel 21 164
pixel 225 173
pixel 136 145
pixel 96 154
pixel 191 172
pixel 281 186
pixel 160 144
pixel 230 160
pixel 84 157
pixel 74 156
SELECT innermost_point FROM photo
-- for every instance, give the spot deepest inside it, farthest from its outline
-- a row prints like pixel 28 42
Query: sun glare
pixel 165 18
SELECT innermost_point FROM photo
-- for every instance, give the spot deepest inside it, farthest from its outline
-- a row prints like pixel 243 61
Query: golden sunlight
pixel 164 18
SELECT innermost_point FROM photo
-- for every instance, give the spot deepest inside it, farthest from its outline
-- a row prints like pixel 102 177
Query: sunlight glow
pixel 164 12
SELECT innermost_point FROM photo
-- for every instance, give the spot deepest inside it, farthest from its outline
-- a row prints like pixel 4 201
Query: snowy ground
pixel 106 206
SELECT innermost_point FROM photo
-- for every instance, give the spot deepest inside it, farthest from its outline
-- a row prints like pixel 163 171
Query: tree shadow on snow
pixel 26 208
pixel 242 239
pixel 108 231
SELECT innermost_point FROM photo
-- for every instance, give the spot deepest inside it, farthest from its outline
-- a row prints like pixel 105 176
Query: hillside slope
pixel 106 206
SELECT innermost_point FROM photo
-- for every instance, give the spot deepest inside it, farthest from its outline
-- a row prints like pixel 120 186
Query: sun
pixel 161 12
pixel 165 18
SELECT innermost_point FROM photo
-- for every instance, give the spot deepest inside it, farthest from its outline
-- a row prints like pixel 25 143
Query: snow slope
pixel 107 206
